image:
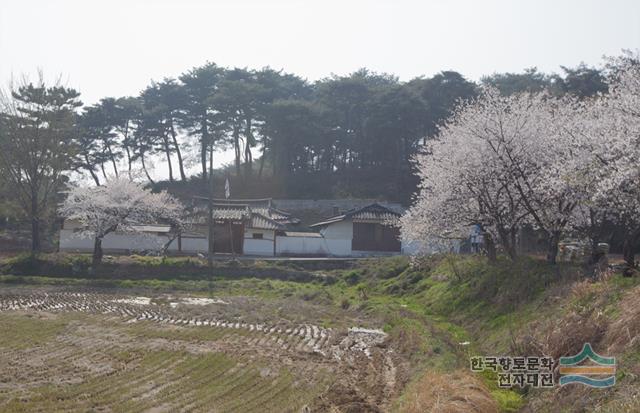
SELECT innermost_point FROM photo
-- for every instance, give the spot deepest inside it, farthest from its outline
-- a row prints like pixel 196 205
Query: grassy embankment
pixel 449 308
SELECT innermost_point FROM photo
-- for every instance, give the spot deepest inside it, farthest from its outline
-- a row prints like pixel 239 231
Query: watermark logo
pixel 587 368
pixel 517 371
pixel 600 373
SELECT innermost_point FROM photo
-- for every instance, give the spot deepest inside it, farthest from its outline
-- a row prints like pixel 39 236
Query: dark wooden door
pixel 375 237
pixel 228 238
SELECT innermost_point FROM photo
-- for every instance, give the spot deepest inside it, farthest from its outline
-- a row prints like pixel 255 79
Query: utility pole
pixel 210 220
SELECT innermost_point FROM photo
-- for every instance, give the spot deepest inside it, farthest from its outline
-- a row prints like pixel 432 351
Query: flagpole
pixel 227 194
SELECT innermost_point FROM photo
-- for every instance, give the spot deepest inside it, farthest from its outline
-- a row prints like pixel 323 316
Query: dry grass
pixel 458 392
pixel 571 332
pixel 624 332
pixel 582 322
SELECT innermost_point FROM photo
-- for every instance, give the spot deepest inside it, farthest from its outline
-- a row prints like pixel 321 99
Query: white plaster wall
pixel 262 247
pixel 339 247
pixel 313 246
pixel 338 230
pixel 301 246
pixel 338 237
pixel 72 241
pixel 193 244
pixel 268 234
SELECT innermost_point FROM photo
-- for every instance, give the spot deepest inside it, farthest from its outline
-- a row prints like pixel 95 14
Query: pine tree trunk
pixel 95 177
pixel 204 144
pixel 261 164
pixel 248 156
pixel 183 177
pixel 35 223
pixel 236 146
pixel 248 160
pixel 167 152
pixel 35 219
pixel 144 168
pixel 91 171
pixel 113 160
pixel 203 160
pixel 126 148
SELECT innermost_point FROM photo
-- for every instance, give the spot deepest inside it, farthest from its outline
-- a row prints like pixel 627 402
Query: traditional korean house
pixel 242 226
pixel 361 232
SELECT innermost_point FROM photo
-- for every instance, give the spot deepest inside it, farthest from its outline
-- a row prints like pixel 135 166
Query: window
pixel 257 235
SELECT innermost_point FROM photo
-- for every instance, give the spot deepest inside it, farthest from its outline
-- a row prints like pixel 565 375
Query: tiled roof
pixel 224 212
pixel 257 212
pixel 276 214
pixel 374 212
pixel 257 203
pixel 329 221
pixel 259 221
pixel 230 213
pixel 374 216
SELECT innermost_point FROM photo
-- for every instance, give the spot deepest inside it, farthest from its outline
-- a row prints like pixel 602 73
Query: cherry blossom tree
pixel 615 125
pixel 501 162
pixel 464 182
pixel 119 205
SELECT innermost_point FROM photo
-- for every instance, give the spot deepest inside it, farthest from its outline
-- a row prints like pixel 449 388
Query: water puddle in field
pixel 196 301
pixel 173 302
pixel 134 300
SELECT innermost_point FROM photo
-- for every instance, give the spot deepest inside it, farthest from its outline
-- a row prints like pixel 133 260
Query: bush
pixel 385 268
pixel 352 277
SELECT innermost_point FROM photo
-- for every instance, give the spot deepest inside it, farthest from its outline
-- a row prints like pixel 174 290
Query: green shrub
pixel 352 277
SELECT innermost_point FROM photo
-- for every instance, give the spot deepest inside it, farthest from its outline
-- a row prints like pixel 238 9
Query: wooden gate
pixel 375 237
pixel 228 237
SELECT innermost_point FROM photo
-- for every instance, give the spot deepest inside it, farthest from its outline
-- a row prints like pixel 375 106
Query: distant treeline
pixel 342 136
pixel 348 135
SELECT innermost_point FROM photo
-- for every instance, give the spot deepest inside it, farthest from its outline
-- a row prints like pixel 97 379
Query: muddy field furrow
pixel 305 338
pixel 115 352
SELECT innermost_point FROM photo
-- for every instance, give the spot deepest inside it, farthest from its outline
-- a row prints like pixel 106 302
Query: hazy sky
pixel 115 47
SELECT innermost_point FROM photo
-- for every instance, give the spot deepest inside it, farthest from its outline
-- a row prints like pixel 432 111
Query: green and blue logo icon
pixel 600 373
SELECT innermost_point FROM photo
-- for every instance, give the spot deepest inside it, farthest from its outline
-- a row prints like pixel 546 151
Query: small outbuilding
pixel 365 231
